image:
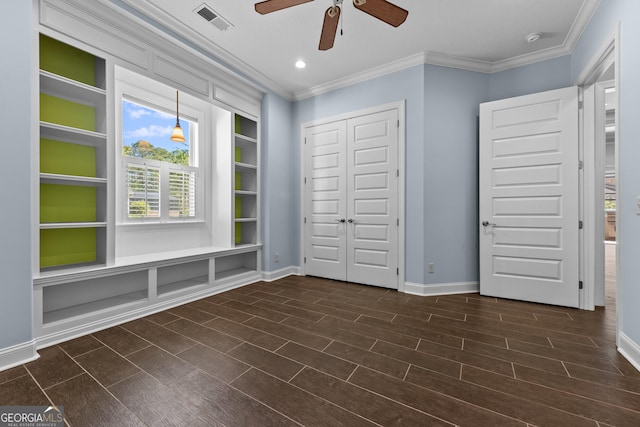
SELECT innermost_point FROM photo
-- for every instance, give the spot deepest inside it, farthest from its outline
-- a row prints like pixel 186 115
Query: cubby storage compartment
pixel 246 127
pixel 245 205
pixel 76 245
pixel 236 265
pixel 83 297
pixel 245 178
pixel 178 277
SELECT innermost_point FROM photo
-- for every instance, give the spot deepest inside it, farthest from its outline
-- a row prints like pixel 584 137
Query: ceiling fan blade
pixel 383 10
pixel 329 28
pixel 269 6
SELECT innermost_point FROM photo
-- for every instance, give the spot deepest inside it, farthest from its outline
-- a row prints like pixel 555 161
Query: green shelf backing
pixel 67 113
pixel 238 229
pixel 66 246
pixel 67 61
pixel 238 124
pixel 238 207
pixel 67 203
pixel 238 181
pixel 238 154
pixel 67 159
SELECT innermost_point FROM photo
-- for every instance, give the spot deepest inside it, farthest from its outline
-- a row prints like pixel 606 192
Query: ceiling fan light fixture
pixel 300 64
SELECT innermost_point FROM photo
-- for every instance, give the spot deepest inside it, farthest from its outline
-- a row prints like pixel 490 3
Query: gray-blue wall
pixel 279 176
pixel 403 85
pixel 16 103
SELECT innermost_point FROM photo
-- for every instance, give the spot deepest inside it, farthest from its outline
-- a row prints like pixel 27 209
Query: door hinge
pixel 398 222
pixel 305 140
pixel 397 271
pixel 398 123
pixel 580 284
pixel 580 225
pixel 305 260
pixel 305 219
pixel 398 172
pixel 305 179
pixel 580 105
pixel 580 164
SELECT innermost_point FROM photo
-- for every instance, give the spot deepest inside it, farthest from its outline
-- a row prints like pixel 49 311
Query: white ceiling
pixel 479 35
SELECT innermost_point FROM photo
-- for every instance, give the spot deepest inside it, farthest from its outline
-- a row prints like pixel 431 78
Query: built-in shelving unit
pixel 80 285
pixel 73 172
pixel 246 203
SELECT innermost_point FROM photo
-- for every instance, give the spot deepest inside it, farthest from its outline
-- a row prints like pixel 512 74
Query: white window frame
pixel 152 94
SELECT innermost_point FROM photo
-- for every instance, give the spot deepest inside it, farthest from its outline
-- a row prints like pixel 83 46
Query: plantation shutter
pixel 143 191
pixel 182 194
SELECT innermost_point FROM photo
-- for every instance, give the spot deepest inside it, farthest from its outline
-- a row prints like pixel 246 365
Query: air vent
pixel 211 16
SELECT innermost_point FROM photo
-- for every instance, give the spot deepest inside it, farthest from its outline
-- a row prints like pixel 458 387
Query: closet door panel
pixel 372 199
pixel 325 198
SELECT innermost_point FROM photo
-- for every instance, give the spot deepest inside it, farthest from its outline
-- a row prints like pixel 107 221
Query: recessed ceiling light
pixel 300 63
pixel 533 37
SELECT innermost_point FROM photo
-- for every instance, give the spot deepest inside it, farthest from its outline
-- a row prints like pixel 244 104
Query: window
pixel 161 175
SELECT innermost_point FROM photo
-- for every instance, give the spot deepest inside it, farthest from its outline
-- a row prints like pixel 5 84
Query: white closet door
pixel 325 199
pixel 372 221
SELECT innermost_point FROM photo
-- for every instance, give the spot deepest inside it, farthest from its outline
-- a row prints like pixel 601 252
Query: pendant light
pixel 177 134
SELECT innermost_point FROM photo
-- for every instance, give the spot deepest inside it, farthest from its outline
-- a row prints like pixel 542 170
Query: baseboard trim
pixel 16 355
pixel 434 289
pixel 630 350
pixel 270 276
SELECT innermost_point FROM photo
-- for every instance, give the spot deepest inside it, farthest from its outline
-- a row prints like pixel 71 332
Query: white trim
pixel 629 349
pixel 270 276
pixel 608 54
pixel 433 289
pixel 382 70
pixel 401 107
pixel 16 355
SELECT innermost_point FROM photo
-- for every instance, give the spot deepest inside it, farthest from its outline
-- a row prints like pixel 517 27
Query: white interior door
pixel 351 200
pixel 529 209
pixel 325 199
pixel 372 228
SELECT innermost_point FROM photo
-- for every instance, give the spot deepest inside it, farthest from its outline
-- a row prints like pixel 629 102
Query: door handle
pixel 352 221
pixel 341 220
pixel 487 224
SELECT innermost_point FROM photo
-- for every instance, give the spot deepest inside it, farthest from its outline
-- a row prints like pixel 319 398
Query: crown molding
pixel 369 74
pixel 154 17
pixel 162 21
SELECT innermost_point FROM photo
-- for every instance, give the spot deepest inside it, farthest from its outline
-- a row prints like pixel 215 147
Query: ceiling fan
pixel 381 9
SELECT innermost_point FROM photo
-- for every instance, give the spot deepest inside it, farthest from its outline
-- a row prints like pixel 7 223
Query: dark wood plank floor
pixel 314 352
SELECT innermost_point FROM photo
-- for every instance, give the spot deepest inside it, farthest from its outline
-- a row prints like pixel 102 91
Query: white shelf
pixel 245 166
pixel 62 87
pixel 245 193
pixel 86 181
pixel 245 219
pixel 242 138
pixel 93 307
pixel 181 285
pixel 58 225
pixel 73 135
pixel 235 272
